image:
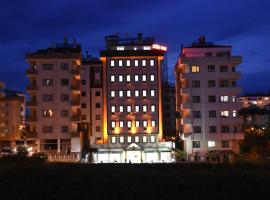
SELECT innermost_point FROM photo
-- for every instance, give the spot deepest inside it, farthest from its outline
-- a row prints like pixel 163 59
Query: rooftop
pixel 202 43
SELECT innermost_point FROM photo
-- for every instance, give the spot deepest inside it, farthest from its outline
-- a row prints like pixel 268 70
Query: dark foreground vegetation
pixel 31 178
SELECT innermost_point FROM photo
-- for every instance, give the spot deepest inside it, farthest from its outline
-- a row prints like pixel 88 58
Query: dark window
pixel 225 129
pixel 47 129
pixel 64 66
pixel 208 54
pixel 64 97
pixel 223 69
pixel 83 82
pixel 98 117
pixel 211 99
pixel 233 84
pixel 212 113
pixel 211 68
pixel 64 113
pixel 196 114
pixel 98 128
pixel 224 83
pixel 97 105
pixel 83 105
pixel 233 69
pixel 235 129
pixel 47 97
pixel 64 81
pixel 196 99
pixel 83 117
pixel 47 82
pixel 64 129
pixel 197 129
pixel 97 93
pixel 83 94
pixel 225 144
pixel 195 84
pixel 47 67
pixel 196 144
pixel 212 129
pixel 211 83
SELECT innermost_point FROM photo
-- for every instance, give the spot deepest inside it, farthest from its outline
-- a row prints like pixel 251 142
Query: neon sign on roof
pixel 159 47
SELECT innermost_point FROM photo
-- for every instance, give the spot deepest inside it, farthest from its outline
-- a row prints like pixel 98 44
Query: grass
pixel 123 182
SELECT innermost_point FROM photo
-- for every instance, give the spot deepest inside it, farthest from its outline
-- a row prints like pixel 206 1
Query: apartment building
pixel 54 89
pixel 206 92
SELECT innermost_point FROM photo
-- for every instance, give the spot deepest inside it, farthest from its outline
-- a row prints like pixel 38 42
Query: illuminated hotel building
pixel 206 92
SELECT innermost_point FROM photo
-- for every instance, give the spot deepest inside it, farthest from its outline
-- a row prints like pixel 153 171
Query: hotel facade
pixel 206 99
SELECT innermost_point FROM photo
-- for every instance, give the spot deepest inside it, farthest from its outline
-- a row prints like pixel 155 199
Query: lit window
pixel 224 113
pixel 112 78
pixel 113 123
pixel 129 124
pixel 137 124
pixel 129 109
pixel 146 48
pixel 152 93
pixel 153 108
pixel 153 123
pixel 144 123
pixel 234 113
pixel 113 109
pixel 144 108
pixel 137 139
pixel 128 93
pixel 120 48
pixel 121 139
pixel 121 109
pixel 129 139
pixel 144 93
pixel 211 143
pixel 112 63
pixel 152 77
pixel 195 69
pixel 136 93
pixel 120 63
pixel 136 78
pixel 121 93
pixel 113 139
pixel 224 99
pixel 233 99
pixel 120 78
pixel 128 63
pixel 112 93
pixel 144 78
pixel 136 63
pixel 47 113
pixel 152 139
pixel 152 63
pixel 137 108
pixel 128 78
pixel 144 139
pixel 143 63
pixel 121 124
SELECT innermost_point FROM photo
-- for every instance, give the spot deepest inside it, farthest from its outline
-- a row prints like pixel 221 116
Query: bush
pixel 22 151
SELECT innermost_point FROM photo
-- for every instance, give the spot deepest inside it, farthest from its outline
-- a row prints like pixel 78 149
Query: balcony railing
pixel 75 103
pixel 31 103
pixel 75 118
pixel 31 87
pixel 75 72
pixel 75 87
pixel 31 119
pixel 31 72
pixel 29 135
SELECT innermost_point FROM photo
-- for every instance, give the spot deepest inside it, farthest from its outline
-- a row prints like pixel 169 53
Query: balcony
pixel 31 103
pixel 31 87
pixel 75 118
pixel 75 134
pixel 185 90
pixel 31 72
pixel 75 87
pixel 30 135
pixel 232 75
pixel 186 105
pixel 31 119
pixel 187 120
pixel 75 72
pixel 75 103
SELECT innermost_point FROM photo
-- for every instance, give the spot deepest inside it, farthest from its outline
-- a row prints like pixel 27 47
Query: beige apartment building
pixel 206 92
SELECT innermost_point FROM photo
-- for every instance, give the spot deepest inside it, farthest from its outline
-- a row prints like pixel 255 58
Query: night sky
pixel 27 25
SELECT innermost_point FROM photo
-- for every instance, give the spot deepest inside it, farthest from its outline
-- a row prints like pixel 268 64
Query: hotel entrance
pixel 133 154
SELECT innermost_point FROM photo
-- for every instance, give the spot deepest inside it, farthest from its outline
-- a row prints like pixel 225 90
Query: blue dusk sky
pixel 31 24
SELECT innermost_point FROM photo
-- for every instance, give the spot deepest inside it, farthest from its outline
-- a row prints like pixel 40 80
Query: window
pixel 112 93
pixel 212 129
pixel 195 69
pixel 233 69
pixel 64 82
pixel 128 93
pixel 144 78
pixel 224 83
pixel 83 105
pixel 211 68
pixel 145 109
pixel 120 48
pixel 197 129
pixel 211 144
pixel 120 63
pixel 83 94
pixel 121 124
pixel 144 123
pixel 146 48
pixel 152 77
pixel 128 78
pixel 211 99
pixel 224 113
pixel 225 144
pixel 128 63
pixel 137 124
pixel 121 139
pixel 234 113
pixel 144 139
pixel 129 139
pixel 120 78
pixel 153 123
pixel 225 129
pixel 97 93
pixel 98 117
pixel 224 98
pixel 83 82
pixel 121 93
pixel 196 144
pixel 136 63
pixel 212 113
pixel 152 139
pixel 64 129
pixel 129 124
pixel 112 78
pixel 47 129
pixel 112 63
pixel 97 105
pixel 144 93
pixel 47 82
pixel 64 97
pixel 47 67
pixel 121 109
pixel 152 63
pixel 47 113
pixel 64 113
pixel 233 99
pixel 137 108
pixel 83 117
pixel 196 99
pixel 113 124
pixel 196 114
pixel 64 66
pixel 136 78
pixel 195 84
pixel 235 130
pixel 112 109
pixel 137 139
pixel 211 83
pixel 152 92
pixel 98 128
pixel 153 108
pixel 136 93
pixel 233 83
pixel 223 68
pixel 128 109
pixel 143 63
pixel 113 139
